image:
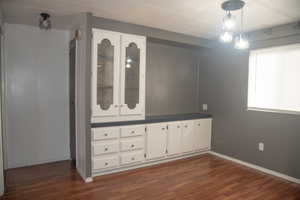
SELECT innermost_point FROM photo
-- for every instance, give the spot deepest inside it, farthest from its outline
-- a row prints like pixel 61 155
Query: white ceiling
pixel 200 18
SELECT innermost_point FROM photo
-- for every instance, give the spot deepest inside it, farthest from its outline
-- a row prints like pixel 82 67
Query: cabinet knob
pixel 105 134
pixel 198 124
pixel 178 126
pixel 116 106
pixel 132 145
pixel 106 164
pixel 163 128
pixel 186 126
pixel 106 149
pixel 132 131
pixel 133 158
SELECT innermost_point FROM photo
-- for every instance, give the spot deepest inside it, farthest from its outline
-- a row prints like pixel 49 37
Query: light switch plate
pixel 261 146
pixel 204 107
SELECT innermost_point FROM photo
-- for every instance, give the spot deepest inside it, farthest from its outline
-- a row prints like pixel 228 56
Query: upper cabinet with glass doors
pixel 118 76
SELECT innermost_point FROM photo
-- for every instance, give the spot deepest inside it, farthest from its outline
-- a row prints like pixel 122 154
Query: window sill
pixel 274 111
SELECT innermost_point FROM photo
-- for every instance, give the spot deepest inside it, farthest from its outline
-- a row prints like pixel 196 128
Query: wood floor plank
pixel 205 177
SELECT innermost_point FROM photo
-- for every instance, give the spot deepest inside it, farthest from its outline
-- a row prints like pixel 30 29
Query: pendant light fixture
pixel 229 23
pixel 226 37
pixel 240 41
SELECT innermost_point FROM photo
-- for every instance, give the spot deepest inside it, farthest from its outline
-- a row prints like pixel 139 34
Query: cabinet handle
pixel 106 149
pixel 106 164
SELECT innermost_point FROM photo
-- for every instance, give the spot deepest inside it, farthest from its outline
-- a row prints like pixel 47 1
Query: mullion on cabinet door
pixel 105 73
pixel 132 74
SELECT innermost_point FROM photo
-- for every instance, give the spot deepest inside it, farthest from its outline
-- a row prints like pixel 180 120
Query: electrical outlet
pixel 261 146
pixel 204 107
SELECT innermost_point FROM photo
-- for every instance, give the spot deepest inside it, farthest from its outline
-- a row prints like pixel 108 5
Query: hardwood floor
pixel 198 178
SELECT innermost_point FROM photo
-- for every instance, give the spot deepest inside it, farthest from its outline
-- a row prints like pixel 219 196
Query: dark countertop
pixel 155 119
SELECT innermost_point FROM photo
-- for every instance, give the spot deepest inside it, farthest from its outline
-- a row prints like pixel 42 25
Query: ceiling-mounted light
pixel 44 21
pixel 241 42
pixel 226 37
pixel 229 22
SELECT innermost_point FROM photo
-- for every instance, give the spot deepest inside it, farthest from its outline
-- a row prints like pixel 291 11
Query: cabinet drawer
pixel 132 144
pixel 129 131
pixel 105 133
pixel 132 157
pixel 107 162
pixel 103 148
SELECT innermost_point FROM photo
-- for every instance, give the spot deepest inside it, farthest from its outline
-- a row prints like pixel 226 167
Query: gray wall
pixel 171 79
pixel 124 27
pixel 37 120
pixel 236 131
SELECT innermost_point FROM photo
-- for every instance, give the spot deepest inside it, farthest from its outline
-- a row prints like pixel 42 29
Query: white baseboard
pixel 262 169
pixel 149 163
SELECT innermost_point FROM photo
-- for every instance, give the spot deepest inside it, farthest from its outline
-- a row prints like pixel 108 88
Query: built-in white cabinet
pixel 122 147
pixel 202 133
pixel 188 136
pixel 156 140
pixel 174 138
pixel 118 76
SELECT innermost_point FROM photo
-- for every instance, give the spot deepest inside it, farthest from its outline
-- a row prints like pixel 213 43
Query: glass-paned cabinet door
pixel 105 74
pixel 132 75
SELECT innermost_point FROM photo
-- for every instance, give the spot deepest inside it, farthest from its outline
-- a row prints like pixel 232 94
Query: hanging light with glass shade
pixel 241 41
pixel 229 24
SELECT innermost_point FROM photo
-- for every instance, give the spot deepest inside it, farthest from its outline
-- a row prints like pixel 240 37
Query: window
pixel 274 79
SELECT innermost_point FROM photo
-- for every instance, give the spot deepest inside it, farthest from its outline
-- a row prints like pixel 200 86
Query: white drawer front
pixel 105 133
pixel 132 157
pixel 132 144
pixel 129 131
pixel 105 147
pixel 107 162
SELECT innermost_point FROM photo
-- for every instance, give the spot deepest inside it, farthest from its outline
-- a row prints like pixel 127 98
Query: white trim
pixel 149 163
pixel 4 99
pixel 290 112
pixel 262 169
pixel 88 180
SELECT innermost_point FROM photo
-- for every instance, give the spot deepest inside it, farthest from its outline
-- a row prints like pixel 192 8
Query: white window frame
pixel 250 108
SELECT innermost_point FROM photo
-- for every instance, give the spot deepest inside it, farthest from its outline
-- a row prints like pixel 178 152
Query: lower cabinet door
pixel 202 130
pixel 174 138
pixel 156 140
pixel 105 162
pixel 132 157
pixel 188 136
